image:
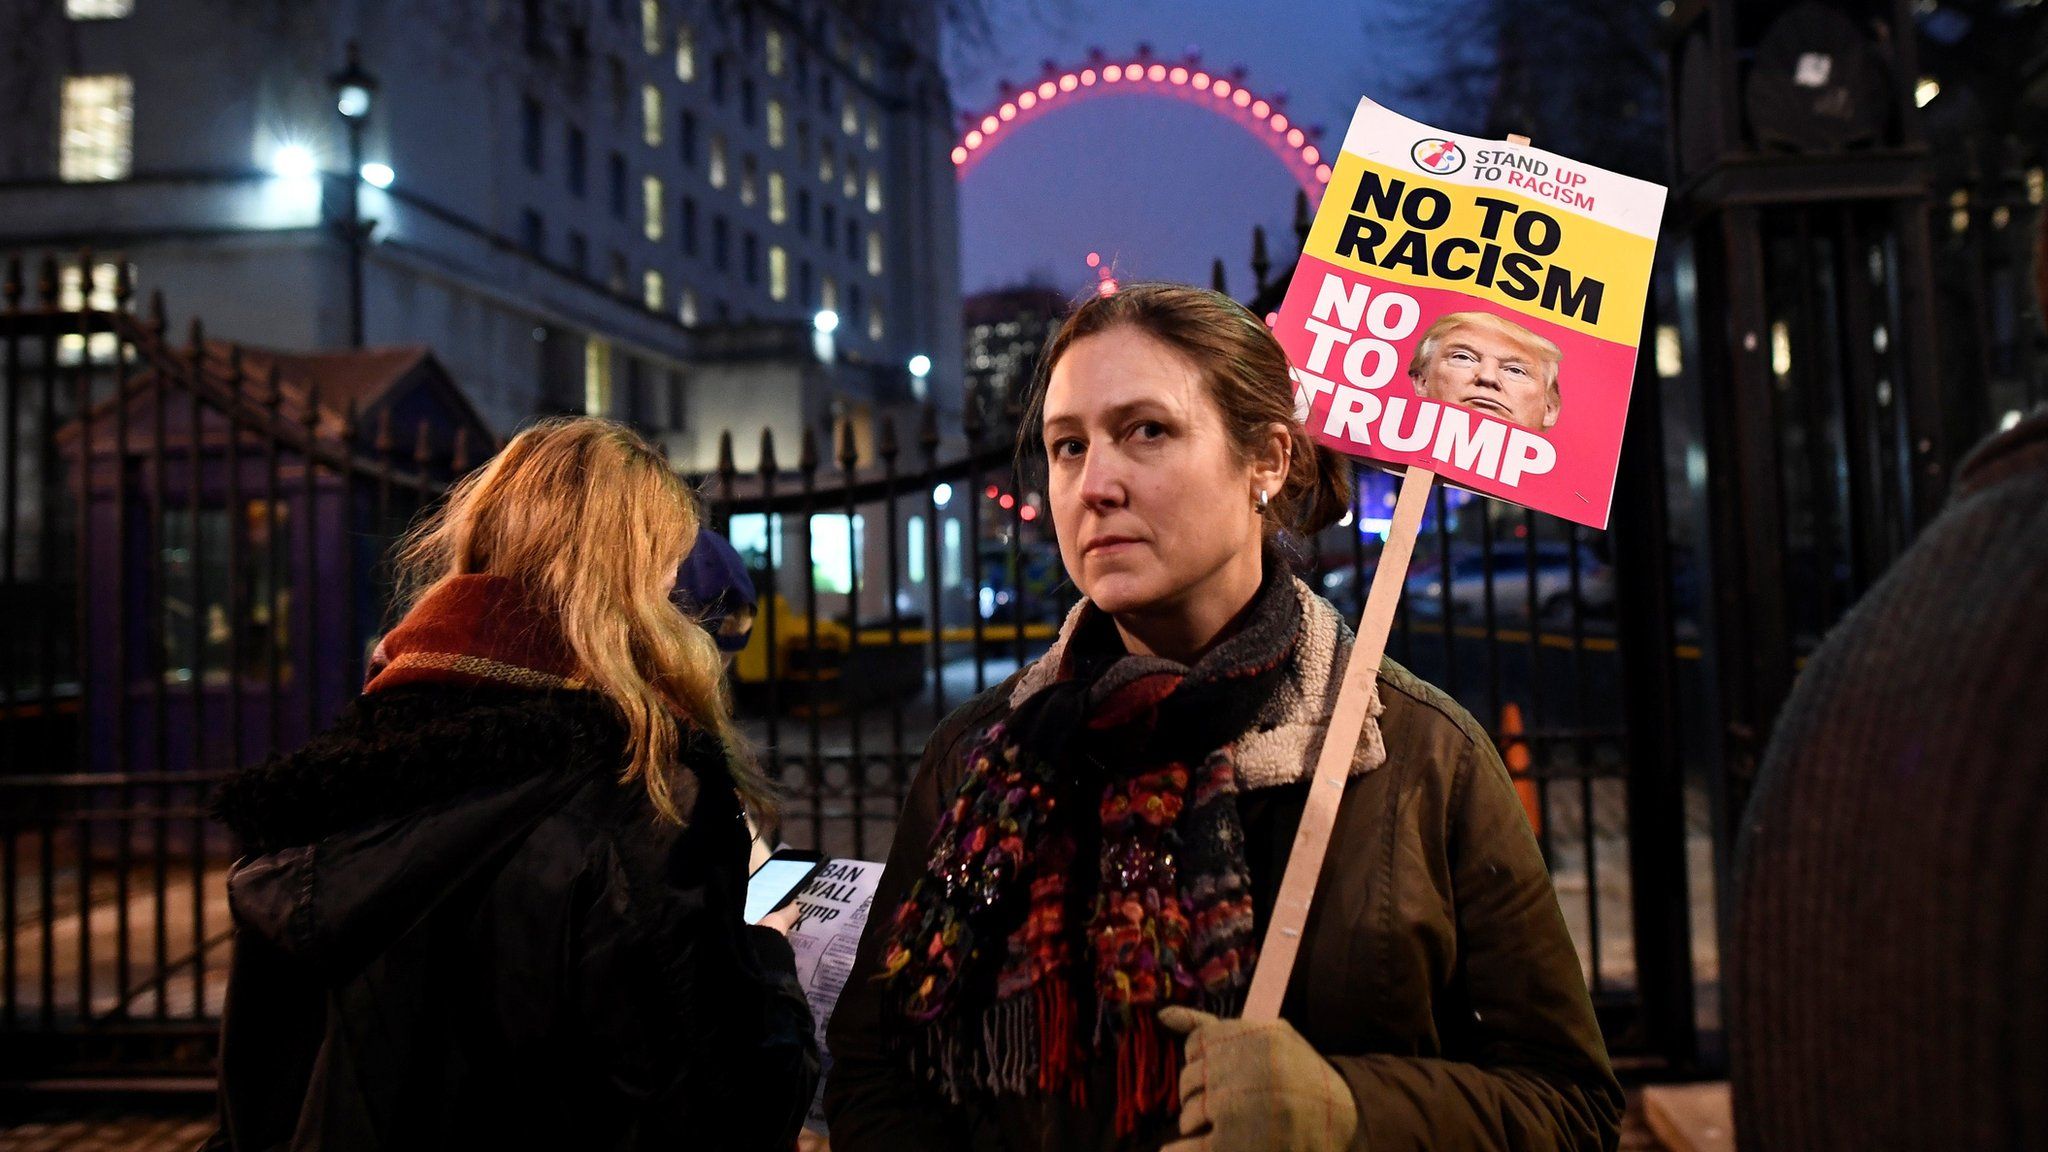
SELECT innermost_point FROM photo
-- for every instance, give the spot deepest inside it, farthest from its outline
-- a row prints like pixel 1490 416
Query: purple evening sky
pixel 1158 187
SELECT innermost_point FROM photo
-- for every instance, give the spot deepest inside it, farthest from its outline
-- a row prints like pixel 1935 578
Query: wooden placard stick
pixel 1282 944
pixel 1340 744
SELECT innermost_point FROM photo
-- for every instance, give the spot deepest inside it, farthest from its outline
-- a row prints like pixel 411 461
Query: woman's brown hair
pixel 592 521
pixel 1246 375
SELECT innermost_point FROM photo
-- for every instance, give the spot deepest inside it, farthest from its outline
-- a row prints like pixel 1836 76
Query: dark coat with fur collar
pixel 456 928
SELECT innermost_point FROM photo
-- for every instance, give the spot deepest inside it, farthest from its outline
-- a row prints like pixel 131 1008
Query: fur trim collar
pixel 1281 747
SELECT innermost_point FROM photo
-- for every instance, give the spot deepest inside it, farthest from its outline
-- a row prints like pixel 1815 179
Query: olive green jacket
pixel 1435 974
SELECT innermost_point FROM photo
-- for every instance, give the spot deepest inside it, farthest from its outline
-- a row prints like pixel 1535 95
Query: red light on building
pixel 1007 501
pixel 1279 122
pixel 959 155
pixel 1046 90
pixel 1200 80
pixel 1310 155
pixel 1221 88
pixel 1156 73
pixel 1262 109
pixel 1087 77
pixel 1295 138
pixel 1007 112
pixel 974 138
pixel 1323 173
pixel 1027 101
pixel 1095 259
pixel 1112 74
pixel 992 491
pixel 1240 97
pixel 1069 82
pixel 989 124
pixel 1178 75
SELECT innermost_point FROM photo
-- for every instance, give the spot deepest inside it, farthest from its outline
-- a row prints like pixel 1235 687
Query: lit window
pixel 98 128
pixel 650 189
pixel 773 47
pixel 778 199
pixel 828 294
pixel 686 311
pixel 650 115
pixel 874 253
pixel 686 53
pixel 874 190
pixel 867 66
pixel 750 178
pixel 718 159
pixel 597 377
pixel 849 119
pixel 777 135
pixel 913 549
pixel 874 131
pixel 98 9
pixel 849 181
pixel 102 347
pixel 653 289
pixel 778 272
pixel 650 26
pixel 874 321
pixel 826 168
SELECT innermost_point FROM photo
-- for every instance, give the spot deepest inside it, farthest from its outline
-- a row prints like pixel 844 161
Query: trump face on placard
pixel 1481 361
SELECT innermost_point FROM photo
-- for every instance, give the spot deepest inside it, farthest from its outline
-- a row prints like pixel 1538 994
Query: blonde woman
pixel 499 903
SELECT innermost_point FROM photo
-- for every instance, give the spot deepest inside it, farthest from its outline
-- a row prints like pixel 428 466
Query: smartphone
pixel 777 881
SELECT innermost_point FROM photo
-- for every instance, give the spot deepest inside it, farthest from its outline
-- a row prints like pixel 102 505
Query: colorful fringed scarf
pixel 1090 870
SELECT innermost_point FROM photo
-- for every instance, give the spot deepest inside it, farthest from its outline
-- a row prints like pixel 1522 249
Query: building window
pixel 675 382
pixel 867 66
pixel 615 185
pixel 686 52
pixel 718 78
pixel 597 377
pixel 533 234
pixel 825 93
pixel 750 180
pixel 98 128
pixel 874 138
pixel 826 169
pixel 803 211
pixel 650 191
pixel 198 583
pixel 772 49
pixel 616 282
pixel 650 115
pixel 803 280
pixel 686 136
pixel 875 322
pixel 852 239
pixel 853 296
pixel 686 311
pixel 615 72
pixel 98 9
pixel 721 244
pixel 532 122
pixel 828 294
pixel 747 102
pixel 778 199
pixel 650 26
pixel 572 161
pixel 651 291
pixel 874 190
pixel 828 218
pixel 849 119
pixel 750 252
pixel 718 159
pixel 579 253
pixel 803 144
pixel 689 225
pixel 849 182
pixel 778 272
pixel 874 253
pixel 777 128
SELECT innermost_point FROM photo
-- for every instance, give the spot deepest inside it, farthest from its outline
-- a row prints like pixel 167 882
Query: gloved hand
pixel 1253 1085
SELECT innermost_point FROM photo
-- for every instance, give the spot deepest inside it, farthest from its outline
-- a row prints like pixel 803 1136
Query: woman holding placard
pixel 1088 859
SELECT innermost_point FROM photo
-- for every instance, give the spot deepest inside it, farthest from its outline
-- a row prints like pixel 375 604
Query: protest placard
pixel 1468 309
pixel 832 910
pixel 1473 307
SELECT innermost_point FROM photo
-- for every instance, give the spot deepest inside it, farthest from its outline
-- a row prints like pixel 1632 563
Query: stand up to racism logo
pixel 1472 307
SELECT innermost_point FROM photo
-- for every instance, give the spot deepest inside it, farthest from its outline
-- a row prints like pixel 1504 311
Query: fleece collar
pixel 1282 745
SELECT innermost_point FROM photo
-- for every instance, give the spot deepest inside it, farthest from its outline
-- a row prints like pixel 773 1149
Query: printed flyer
pixel 1473 307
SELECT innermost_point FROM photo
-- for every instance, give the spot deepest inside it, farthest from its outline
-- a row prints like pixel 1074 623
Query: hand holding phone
pixel 776 882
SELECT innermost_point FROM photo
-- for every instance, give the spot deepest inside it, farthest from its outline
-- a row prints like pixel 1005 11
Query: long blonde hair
pixel 591 521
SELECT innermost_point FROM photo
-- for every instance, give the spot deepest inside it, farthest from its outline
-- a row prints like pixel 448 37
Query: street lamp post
pixel 354 92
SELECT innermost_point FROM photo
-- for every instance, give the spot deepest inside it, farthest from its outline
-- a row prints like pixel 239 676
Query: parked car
pixel 1510 568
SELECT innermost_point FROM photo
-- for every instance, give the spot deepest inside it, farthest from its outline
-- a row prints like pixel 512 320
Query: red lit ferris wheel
pixel 1221 92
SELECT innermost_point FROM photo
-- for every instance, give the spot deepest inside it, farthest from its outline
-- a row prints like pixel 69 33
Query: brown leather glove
pixel 1253 1085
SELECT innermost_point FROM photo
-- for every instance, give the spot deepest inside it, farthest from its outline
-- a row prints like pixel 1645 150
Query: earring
pixel 1263 499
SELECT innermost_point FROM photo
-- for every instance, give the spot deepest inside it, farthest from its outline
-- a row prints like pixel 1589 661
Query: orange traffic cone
pixel 1514 750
